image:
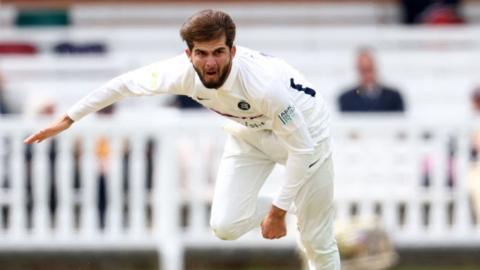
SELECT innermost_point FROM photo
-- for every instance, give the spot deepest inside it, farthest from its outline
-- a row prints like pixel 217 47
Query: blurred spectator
pixel 474 179
pixel 369 95
pixel 474 172
pixel 476 100
pixel 437 12
pixel 39 105
pixel 102 155
pixel 4 149
pixel 102 151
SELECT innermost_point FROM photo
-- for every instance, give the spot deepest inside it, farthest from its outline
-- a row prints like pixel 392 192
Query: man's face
pixel 212 61
pixel 476 103
pixel 366 70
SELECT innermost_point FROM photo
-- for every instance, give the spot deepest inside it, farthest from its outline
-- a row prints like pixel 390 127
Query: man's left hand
pixel 273 226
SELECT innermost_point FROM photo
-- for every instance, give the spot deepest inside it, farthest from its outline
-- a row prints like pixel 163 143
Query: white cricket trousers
pixel 237 207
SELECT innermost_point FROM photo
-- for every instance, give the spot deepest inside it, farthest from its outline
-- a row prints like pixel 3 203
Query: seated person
pixel 369 95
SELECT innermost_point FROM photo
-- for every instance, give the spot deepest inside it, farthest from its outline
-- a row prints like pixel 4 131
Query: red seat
pixel 17 48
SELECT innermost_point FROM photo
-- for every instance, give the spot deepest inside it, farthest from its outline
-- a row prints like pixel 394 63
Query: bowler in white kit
pixel 278 117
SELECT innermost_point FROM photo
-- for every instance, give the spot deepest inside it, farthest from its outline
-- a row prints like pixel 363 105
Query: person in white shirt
pixel 277 116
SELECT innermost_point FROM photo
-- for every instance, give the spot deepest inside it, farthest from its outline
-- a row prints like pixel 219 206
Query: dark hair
pixel 208 25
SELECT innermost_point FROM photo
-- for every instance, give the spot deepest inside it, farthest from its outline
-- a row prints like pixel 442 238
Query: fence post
pixel 462 222
pixel 18 181
pixel 137 184
pixel 114 184
pixel 40 190
pixel 168 203
pixel 65 173
pixel 88 187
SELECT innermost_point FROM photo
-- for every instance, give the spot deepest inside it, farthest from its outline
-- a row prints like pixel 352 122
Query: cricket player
pixel 278 117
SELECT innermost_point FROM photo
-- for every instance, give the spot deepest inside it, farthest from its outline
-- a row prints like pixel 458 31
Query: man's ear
pixel 233 50
pixel 189 53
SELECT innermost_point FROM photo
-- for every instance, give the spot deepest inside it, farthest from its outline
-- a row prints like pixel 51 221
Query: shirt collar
pixel 371 92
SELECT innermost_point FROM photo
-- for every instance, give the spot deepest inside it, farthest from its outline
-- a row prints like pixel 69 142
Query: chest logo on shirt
pixel 243 105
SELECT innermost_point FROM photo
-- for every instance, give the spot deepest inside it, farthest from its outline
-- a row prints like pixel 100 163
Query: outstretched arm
pixel 53 129
pixel 161 77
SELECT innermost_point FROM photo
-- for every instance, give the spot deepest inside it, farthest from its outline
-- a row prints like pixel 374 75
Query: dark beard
pixel 216 84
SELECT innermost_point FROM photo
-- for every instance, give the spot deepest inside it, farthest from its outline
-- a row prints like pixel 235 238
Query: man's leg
pixel 315 214
pixel 236 206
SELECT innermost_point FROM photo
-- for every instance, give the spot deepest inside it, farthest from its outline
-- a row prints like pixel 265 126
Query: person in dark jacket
pixel 369 95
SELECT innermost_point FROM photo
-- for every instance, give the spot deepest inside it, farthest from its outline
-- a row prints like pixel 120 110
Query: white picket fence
pixel 411 173
pixel 158 196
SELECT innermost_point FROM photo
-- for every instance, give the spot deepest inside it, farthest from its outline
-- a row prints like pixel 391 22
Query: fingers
pixel 272 236
pixel 269 232
pixel 35 138
pixel 51 130
pixel 38 137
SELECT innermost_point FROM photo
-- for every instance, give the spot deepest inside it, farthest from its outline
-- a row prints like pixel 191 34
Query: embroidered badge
pixel 243 105
pixel 287 115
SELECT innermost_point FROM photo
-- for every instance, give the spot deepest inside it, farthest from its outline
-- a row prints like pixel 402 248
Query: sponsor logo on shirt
pixel 243 105
pixel 254 124
pixel 287 115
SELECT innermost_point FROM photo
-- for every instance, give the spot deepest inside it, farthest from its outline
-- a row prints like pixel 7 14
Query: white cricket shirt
pixel 261 93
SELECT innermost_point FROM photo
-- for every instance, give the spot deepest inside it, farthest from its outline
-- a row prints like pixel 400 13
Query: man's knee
pixel 225 230
pixel 323 254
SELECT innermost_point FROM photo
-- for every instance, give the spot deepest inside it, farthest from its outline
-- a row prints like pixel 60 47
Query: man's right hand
pixel 50 131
